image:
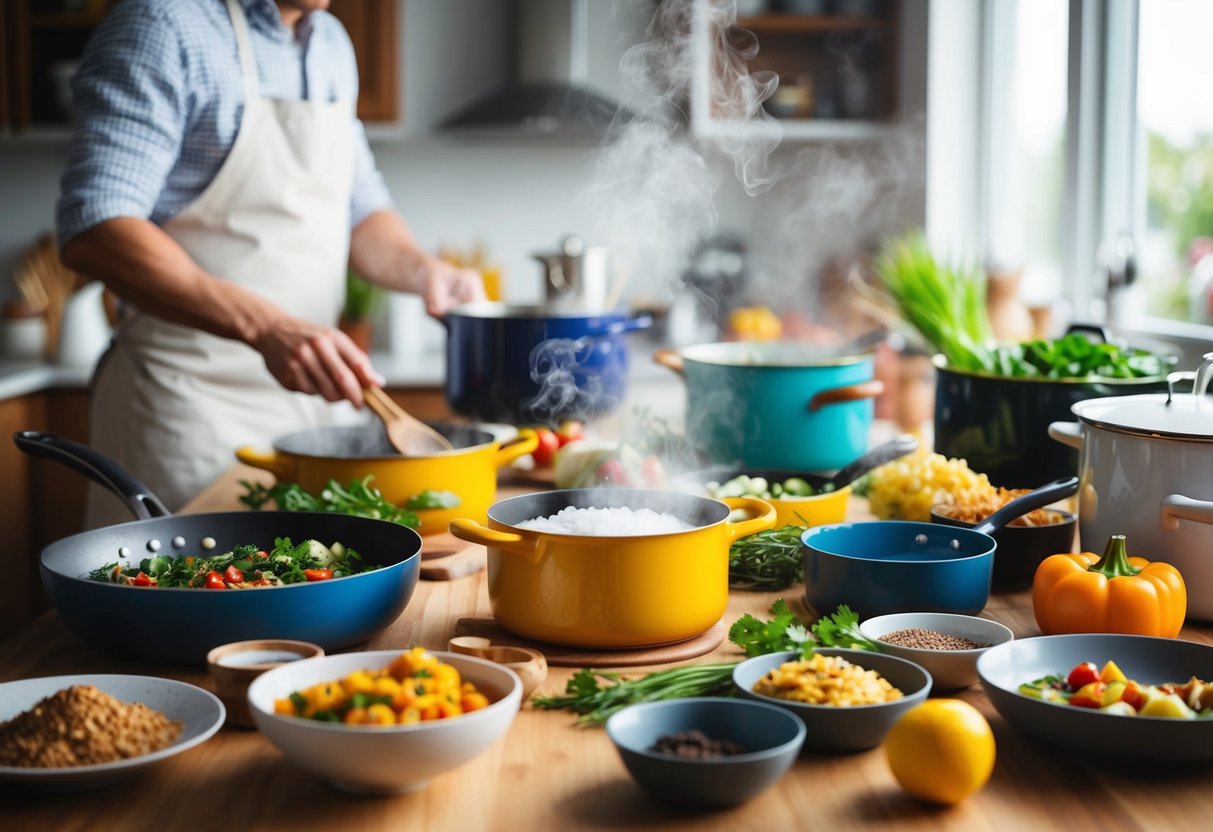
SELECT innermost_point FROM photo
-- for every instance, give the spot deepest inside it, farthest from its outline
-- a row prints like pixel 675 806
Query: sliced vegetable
pixel 433 499
pixel 359 499
pixel 214 581
pixel 318 574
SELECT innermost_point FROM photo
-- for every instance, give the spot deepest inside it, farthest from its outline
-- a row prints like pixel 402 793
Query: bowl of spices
pixel 947 645
pixel 710 752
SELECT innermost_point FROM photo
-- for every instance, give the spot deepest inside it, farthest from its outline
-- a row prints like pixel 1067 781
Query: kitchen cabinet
pixel 836 60
pixel 43 39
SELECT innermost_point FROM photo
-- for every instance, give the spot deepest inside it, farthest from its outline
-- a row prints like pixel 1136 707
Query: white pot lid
pixel 1171 415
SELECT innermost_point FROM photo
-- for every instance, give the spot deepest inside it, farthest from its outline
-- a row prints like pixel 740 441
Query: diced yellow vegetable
pixel 1112 673
pixel 1167 705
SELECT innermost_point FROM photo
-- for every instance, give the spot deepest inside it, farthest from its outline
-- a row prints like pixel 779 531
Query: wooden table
pixel 549 775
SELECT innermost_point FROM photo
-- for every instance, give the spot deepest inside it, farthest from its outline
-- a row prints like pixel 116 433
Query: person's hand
pixel 445 286
pixel 317 359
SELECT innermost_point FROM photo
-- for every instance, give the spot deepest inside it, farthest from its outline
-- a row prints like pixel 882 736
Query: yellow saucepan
pixel 311 458
pixel 611 591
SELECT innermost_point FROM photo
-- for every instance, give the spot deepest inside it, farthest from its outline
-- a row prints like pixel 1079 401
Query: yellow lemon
pixel 941 750
pixel 755 323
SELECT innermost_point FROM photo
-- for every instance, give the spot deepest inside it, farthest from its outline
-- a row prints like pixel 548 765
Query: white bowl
pixel 382 759
pixel 199 712
pixel 951 669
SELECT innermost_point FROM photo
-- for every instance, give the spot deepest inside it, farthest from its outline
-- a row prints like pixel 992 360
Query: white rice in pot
pixel 607 522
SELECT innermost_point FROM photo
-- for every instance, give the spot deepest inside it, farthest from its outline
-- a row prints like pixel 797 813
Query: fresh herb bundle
pixel 767 560
pixel 360 498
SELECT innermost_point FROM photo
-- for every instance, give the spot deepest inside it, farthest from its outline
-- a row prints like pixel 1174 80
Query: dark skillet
pixel 183 624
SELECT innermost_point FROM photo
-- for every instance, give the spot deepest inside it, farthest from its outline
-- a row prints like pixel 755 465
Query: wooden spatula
pixel 407 434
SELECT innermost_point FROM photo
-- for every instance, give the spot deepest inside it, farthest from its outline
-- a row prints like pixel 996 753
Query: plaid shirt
pixel 158 99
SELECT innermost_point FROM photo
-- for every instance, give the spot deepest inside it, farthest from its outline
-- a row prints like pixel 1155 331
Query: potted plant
pixel 362 299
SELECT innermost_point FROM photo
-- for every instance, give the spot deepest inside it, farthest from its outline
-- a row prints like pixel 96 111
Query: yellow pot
pixel 311 458
pixel 818 510
pixel 611 591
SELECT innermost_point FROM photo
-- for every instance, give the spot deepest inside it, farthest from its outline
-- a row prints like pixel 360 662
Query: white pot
pixel 1146 471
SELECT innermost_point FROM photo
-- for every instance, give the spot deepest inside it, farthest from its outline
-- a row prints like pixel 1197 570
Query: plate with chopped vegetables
pixel 1134 697
pixel 374 567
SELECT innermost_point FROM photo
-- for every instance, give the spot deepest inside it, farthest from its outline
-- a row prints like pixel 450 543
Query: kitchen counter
pixel 548 774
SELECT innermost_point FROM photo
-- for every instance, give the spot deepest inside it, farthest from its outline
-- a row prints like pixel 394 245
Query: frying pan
pixel 182 625
pixel 879 567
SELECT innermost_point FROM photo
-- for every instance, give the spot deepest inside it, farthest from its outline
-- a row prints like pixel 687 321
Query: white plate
pixel 199 712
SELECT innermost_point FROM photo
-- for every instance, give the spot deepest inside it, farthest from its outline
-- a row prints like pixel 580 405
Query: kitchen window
pixel 1095 154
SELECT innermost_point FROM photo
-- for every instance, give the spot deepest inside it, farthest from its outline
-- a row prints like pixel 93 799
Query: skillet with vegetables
pixel 244 567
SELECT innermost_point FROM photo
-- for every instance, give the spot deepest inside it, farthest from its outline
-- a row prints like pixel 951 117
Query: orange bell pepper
pixel 1086 593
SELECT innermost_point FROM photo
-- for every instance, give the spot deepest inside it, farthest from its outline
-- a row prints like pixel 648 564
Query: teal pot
pixel 776 404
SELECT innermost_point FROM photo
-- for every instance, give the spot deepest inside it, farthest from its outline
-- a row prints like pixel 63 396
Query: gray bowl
pixel 772 739
pixel 1005 667
pixel 832 728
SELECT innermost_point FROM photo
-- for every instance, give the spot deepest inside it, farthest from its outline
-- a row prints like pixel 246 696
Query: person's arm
pixel 145 266
pixel 384 251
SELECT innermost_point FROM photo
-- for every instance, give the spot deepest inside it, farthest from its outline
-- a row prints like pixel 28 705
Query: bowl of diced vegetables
pixel 799 498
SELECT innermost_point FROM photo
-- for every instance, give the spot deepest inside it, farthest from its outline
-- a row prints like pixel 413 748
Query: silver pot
pixel 1146 471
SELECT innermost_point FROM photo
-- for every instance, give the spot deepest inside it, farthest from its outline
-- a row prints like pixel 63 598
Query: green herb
pixel 781 633
pixel 360 499
pixel 433 499
pixel 767 560
pixel 1073 356
pixel 362 297
pixel 596 694
pixel 841 629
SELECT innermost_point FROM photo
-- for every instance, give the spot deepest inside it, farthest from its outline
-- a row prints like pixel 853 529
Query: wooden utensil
pixel 530 665
pixel 407 434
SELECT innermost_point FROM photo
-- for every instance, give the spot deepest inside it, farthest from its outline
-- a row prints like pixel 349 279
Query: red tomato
pixel 1134 695
pixel 568 431
pixel 653 471
pixel 317 574
pixel 262 555
pixel 612 472
pixel 233 575
pixel 1089 695
pixel 548 445
pixel 1083 674
pixel 214 580
pixel 142 580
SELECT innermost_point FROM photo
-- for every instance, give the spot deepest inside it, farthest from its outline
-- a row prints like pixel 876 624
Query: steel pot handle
pixel 97 467
pixel 1176 507
pixel 281 467
pixel 762 516
pixel 670 359
pixel 1102 332
pixel 850 393
pixel 515 544
pixel 514 447
pixel 1067 433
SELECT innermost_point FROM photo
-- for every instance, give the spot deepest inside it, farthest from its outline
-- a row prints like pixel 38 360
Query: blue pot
pixel 525 364
pixel 878 568
pixel 777 404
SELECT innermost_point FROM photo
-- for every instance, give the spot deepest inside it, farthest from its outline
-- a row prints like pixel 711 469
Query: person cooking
pixel 220 183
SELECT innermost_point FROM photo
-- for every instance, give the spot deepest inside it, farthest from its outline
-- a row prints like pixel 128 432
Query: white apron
pixel 171 403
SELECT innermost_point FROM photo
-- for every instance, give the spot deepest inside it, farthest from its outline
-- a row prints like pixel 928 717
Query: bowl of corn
pixel 384 721
pixel 847 699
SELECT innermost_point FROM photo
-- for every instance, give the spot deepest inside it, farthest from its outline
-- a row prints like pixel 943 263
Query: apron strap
pixel 248 66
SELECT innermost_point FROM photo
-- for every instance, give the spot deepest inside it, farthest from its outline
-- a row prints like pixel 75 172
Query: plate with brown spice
pixel 78 732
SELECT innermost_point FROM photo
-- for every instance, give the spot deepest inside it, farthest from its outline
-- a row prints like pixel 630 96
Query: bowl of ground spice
pixel 706 753
pixel 77 732
pixel 947 645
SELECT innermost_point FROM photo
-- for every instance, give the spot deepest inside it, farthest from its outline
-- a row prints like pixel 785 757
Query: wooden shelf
pixel 803 23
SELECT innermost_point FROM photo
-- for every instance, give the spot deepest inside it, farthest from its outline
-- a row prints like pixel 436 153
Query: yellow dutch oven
pixel 311 458
pixel 611 591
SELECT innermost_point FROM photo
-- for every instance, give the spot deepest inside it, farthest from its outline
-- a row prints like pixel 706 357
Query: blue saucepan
pixel 532 364
pixel 182 625
pixel 880 567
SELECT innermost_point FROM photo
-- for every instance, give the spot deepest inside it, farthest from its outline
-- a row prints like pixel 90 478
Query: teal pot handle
pixel 849 393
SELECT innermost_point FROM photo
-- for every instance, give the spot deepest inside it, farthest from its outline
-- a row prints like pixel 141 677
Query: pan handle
pixel 670 359
pixel 851 393
pixel 512 448
pixel 97 467
pixel 1037 498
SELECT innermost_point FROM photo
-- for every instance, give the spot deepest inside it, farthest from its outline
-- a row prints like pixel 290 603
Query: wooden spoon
pixel 409 435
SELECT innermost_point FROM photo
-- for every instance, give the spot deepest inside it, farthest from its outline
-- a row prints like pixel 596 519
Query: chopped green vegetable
pixel 841 629
pixel 433 499
pixel 782 632
pixel 359 499
pixel 767 560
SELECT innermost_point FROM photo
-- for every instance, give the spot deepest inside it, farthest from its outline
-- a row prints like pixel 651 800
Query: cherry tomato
pixel 568 431
pixel 214 580
pixel 653 472
pixel 262 555
pixel 612 472
pixel 317 574
pixel 233 575
pixel 142 580
pixel 1083 674
pixel 548 445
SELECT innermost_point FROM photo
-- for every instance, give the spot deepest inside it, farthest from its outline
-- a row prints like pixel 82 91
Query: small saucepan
pixel 882 567
pixel 182 625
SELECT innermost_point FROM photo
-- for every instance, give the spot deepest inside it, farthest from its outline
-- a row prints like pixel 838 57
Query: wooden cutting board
pixel 563 656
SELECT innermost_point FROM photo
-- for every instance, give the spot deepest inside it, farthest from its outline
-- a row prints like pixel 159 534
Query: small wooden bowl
pixel 530 665
pixel 234 666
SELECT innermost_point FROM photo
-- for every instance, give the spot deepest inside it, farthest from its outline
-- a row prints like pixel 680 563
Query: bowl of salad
pixel 1128 697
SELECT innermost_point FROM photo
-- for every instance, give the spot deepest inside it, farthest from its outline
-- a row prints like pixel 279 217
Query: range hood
pixel 548 96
